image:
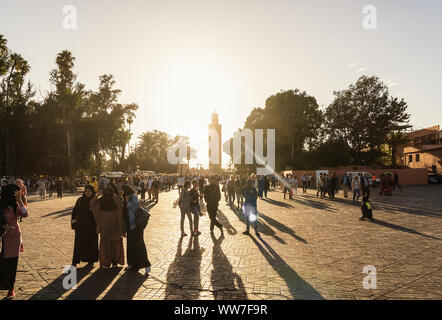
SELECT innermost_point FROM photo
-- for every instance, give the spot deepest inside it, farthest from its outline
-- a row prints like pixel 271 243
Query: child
pixel 366 209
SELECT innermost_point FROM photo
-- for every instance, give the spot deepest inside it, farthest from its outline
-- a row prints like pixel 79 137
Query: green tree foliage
pixel 152 151
pixel 296 118
pixel 71 130
pixel 395 140
pixel 15 94
pixel 354 128
pixel 364 115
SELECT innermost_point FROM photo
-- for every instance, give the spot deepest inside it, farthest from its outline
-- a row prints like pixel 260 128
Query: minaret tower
pixel 215 167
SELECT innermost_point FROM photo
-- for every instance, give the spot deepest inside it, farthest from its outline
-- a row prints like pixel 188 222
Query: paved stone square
pixel 310 249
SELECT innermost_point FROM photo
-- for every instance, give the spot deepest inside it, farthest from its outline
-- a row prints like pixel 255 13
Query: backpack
pixel 142 218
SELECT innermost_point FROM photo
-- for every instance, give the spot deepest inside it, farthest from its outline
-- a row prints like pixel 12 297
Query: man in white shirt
pixel 181 181
pixel 294 186
pixel 304 182
pixel 286 182
pixel 149 188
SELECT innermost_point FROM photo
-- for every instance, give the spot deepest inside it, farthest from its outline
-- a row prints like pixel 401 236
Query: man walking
pixel 250 207
pixel 60 188
pixel 286 183
pixel 212 196
pixel 304 183
pixel 181 181
pixel 195 207
pixel 156 189
pixel 365 186
pixel 346 183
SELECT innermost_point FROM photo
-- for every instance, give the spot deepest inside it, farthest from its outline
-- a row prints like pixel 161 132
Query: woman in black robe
pixel 86 237
pixel 136 248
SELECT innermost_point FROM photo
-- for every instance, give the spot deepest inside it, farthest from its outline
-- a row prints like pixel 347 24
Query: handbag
pixel 141 218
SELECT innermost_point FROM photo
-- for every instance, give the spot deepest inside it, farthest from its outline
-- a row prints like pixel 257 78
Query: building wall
pixel 429 135
pixel 427 159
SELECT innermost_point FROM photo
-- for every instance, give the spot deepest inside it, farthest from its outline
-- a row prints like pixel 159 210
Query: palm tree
pixel 63 78
pixel 4 54
pixel 395 140
pixel 14 69
pixel 122 139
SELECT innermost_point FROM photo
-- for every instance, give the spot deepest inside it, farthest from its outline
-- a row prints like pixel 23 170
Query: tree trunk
pixel 393 157
pixel 70 145
pixel 7 152
pixel 123 151
pixel 292 150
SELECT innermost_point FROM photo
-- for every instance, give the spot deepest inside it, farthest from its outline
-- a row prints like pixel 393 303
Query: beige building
pixel 427 136
pixel 424 150
pixel 425 156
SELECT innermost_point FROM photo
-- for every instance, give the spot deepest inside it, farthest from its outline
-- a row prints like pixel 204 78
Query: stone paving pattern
pixel 310 249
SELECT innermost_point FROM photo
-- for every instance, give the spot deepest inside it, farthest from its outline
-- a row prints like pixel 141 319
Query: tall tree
pixel 14 96
pixel 395 140
pixel 296 116
pixel 364 115
pixel 68 98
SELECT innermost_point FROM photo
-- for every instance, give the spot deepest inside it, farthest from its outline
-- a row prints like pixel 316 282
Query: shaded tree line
pixel 151 152
pixel 71 130
pixel 363 125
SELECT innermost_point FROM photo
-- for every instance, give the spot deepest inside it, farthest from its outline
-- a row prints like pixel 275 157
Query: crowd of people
pixel 110 214
pixel 108 208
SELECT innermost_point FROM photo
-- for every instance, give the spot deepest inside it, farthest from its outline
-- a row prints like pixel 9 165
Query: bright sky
pixel 180 60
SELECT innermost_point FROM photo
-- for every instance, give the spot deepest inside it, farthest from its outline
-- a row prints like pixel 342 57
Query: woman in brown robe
pixel 108 214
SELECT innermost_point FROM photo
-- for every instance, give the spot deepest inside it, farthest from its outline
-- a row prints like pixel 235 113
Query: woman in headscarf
pixel 136 248
pixel 23 192
pixel 82 221
pixel 108 214
pixel 11 209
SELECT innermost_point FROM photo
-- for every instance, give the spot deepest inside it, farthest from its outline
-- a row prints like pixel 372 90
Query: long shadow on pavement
pixel 262 226
pixel 281 227
pixel 320 205
pixel 396 209
pixel 400 228
pixel 223 278
pixel 126 286
pixel 95 285
pixel 183 275
pixel 60 213
pixel 298 287
pixel 278 203
pixel 55 289
pixel 226 223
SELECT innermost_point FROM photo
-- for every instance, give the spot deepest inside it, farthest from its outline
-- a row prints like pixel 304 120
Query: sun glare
pixel 190 87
